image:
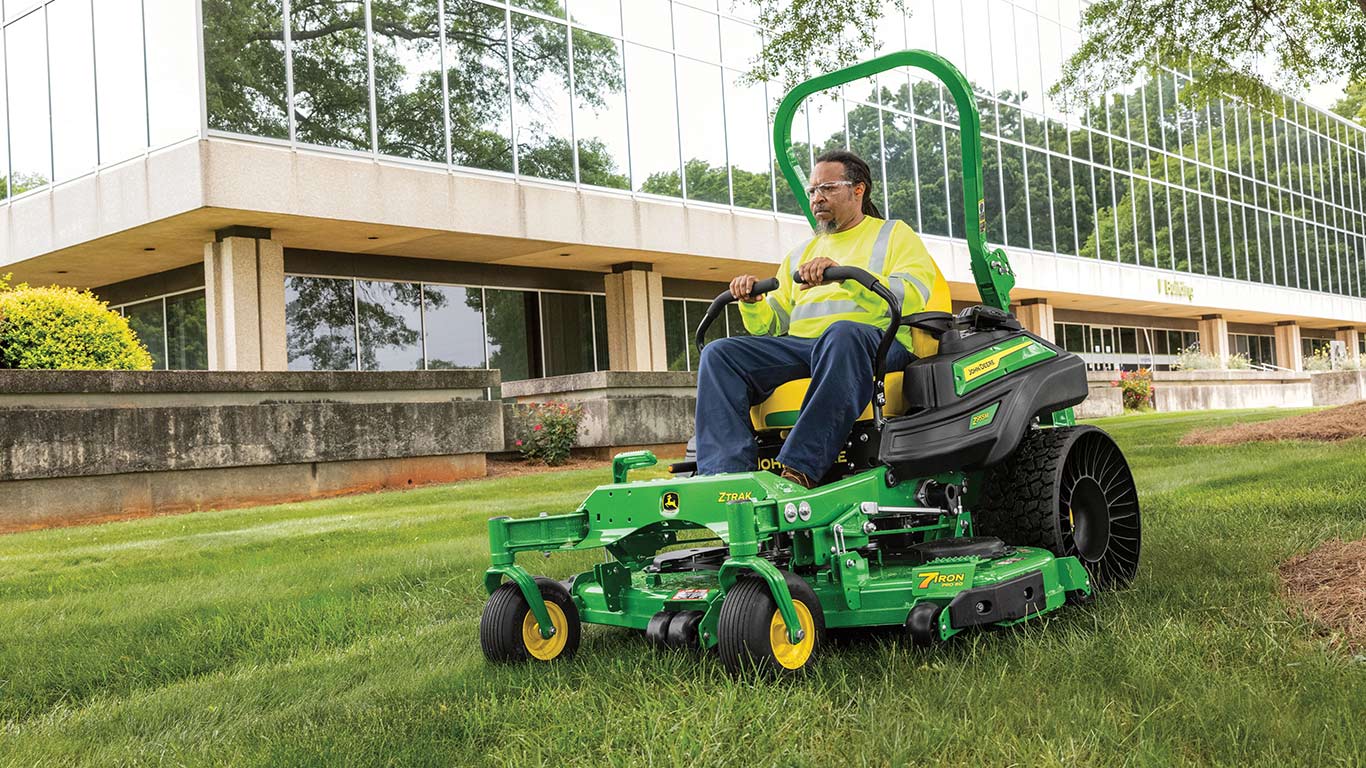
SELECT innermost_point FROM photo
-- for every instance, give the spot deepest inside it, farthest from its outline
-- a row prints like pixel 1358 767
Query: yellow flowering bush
pixel 57 327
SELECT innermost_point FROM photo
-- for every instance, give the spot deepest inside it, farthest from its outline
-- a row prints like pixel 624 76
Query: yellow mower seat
pixel 780 409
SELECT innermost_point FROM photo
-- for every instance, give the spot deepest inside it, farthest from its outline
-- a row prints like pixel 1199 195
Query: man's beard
pixel 827 227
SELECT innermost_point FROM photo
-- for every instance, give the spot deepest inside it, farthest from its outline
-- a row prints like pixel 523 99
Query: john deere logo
pixel 670 502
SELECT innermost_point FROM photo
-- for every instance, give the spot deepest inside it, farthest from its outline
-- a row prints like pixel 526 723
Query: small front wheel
pixel 752 635
pixel 508 631
pixel 923 624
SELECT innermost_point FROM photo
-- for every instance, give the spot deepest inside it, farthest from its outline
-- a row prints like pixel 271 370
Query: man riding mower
pixel 949 487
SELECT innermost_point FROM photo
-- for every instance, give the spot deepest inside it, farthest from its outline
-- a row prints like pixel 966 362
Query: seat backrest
pixel 922 343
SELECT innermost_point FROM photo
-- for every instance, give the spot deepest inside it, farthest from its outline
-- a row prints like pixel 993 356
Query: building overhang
pixel 156 213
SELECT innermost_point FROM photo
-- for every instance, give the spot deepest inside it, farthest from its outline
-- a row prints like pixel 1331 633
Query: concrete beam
pixel 1213 331
pixel 635 321
pixel 244 290
pixel 1288 346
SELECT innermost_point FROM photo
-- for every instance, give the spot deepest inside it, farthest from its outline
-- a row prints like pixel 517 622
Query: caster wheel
pixel 682 633
pixel 509 633
pixel 753 637
pixel 657 631
pixel 923 624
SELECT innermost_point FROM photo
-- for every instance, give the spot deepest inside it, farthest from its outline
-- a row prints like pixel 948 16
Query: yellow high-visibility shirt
pixel 891 250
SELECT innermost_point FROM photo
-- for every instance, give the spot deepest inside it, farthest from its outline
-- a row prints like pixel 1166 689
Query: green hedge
pixel 56 327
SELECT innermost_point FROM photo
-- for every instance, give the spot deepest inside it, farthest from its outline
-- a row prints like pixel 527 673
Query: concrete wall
pixel 79 445
pixel 1213 390
pixel 1338 387
pixel 620 408
pixel 1102 400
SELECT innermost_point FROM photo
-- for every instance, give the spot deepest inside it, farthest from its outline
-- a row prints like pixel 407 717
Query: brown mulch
pixel 1328 585
pixel 1341 423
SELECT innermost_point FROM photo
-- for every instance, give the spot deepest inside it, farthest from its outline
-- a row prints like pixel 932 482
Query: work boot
pixel 792 475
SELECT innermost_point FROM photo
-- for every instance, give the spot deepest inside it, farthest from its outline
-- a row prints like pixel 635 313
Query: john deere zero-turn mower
pixel 967 497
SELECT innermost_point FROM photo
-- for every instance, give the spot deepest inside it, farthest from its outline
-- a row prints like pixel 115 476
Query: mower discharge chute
pixel 966 497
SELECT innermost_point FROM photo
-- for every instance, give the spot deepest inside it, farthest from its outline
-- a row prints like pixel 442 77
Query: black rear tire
pixel 922 624
pixel 1068 490
pixel 748 623
pixel 503 625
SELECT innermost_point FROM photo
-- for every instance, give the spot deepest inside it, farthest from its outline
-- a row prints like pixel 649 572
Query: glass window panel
pixel 675 335
pixel 977 67
pixel 540 67
pixel 902 200
pixel 547 7
pixel 703 133
pixel 187 337
pixel 600 332
pixel 567 333
pixel 390 325
pixel 647 21
pixel 1027 51
pixel 948 31
pixel 1063 190
pixel 865 141
pixel 1005 70
pixel 600 111
pixel 172 70
pixel 826 118
pixel 148 322
pixel 454 326
pixel 1075 338
pixel 787 201
pixel 331 97
pixel 1143 223
pixel 407 51
pixel 477 76
pixel 740 43
pixel 735 324
pixel 931 179
pixel 597 15
pixel 991 182
pixel 244 66
pixel 1050 61
pixel 747 143
pixel 953 147
pixel 1040 218
pixel 1015 201
pixel 75 145
pixel 653 114
pixel 29 132
pixel 1128 341
pixel 121 93
pixel 511 320
pixel 696 33
pixel 320 323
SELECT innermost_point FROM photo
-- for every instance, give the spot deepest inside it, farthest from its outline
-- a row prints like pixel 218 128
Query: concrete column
pixel 244 290
pixel 1348 335
pixel 1214 336
pixel 1036 315
pixel 635 318
pixel 1288 346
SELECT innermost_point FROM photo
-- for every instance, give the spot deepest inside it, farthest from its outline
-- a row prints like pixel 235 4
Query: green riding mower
pixel 967 498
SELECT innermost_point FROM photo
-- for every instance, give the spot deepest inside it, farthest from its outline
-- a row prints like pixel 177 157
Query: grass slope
pixel 344 632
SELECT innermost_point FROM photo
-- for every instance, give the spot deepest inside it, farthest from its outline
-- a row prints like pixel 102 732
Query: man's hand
pixel 813 272
pixel 742 288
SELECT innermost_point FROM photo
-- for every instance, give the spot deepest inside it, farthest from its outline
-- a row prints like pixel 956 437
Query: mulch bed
pixel 1328 585
pixel 1341 423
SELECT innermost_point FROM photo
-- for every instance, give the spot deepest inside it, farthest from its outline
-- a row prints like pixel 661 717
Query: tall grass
pixel 344 632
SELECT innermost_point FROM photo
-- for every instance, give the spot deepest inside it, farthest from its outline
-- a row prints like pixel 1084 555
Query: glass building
pixel 644 102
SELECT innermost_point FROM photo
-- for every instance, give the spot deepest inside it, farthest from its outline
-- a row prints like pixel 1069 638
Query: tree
pixel 1352 105
pixel 1225 43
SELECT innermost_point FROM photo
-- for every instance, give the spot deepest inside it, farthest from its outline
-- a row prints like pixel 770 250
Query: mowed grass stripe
pixel 345 632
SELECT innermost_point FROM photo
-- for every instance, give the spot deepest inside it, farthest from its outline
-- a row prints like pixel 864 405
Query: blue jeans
pixel 740 371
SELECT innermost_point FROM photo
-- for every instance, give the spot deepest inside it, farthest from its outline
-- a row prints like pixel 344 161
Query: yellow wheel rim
pixel 545 648
pixel 789 655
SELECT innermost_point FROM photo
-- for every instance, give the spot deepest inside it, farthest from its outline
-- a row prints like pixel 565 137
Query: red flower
pixel 519 443
pixel 536 428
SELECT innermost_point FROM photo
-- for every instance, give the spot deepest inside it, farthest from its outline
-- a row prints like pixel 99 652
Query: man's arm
pixel 770 314
pixel 908 272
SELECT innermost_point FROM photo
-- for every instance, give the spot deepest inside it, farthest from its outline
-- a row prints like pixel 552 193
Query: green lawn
pixel 345 632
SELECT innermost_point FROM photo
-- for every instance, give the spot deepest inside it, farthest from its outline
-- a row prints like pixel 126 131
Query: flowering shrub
pixel 1138 389
pixel 555 429
pixel 1192 359
pixel 56 327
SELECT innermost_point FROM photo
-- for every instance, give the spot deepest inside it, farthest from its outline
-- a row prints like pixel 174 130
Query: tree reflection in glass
pixel 331 77
pixel 244 67
pixel 454 319
pixel 187 336
pixel 389 324
pixel 320 323
pixel 513 338
pixel 146 320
